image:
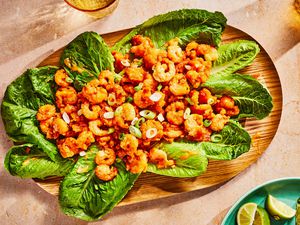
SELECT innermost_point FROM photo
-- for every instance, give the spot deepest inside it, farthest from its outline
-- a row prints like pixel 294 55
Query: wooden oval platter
pixel 151 186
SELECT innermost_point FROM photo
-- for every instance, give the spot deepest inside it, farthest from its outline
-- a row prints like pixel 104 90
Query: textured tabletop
pixel 31 30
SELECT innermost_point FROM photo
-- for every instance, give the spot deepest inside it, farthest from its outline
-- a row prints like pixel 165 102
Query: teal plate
pixel 285 189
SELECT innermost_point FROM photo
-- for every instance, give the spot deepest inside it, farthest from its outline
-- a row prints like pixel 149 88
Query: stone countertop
pixel 31 30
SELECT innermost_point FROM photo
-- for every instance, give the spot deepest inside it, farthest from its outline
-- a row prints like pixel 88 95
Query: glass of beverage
pixel 94 8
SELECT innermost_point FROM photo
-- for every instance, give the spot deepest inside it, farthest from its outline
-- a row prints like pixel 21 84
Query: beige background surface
pixel 31 30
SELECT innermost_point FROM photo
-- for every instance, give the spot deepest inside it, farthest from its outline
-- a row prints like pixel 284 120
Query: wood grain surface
pixel 151 186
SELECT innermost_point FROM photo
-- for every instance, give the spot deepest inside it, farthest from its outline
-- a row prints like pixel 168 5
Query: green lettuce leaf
pixel 21 101
pixel 191 157
pixel 233 142
pixel 251 97
pixel 186 24
pixel 189 161
pixel 35 163
pixel 84 196
pixel 90 54
pixel 234 56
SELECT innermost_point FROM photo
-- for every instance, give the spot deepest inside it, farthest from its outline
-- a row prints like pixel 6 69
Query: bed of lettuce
pixel 84 196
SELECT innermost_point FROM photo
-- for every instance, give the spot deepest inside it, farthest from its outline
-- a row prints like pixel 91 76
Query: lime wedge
pixel 246 214
pixel 261 217
pixel 278 209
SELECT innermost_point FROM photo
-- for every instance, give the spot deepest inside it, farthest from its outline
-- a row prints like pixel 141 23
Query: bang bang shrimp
pixel 65 96
pixel 164 71
pixel 93 92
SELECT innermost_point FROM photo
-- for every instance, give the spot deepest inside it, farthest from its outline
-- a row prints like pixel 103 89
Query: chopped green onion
pixel 111 130
pixel 118 76
pixel 207 123
pixel 216 138
pixel 187 113
pixel 119 111
pixel 121 136
pixel 189 101
pixel 210 101
pixel 139 62
pixel 138 87
pixel 111 99
pixel 129 99
pixel 69 80
pixel 135 131
pixel 151 133
pixel 148 114
pixel 159 87
pixel 139 122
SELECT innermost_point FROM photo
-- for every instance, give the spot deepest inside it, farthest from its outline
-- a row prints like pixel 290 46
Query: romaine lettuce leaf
pixel 189 159
pixel 251 97
pixel 186 24
pixel 28 161
pixel 88 55
pixel 233 141
pixel 234 56
pixel 21 101
pixel 84 196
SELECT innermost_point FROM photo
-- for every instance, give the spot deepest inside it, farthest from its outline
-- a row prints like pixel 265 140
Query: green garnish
pixel 215 138
pixel 138 87
pixel 135 131
pixel 189 101
pixel 129 99
pixel 159 87
pixel 207 123
pixel 121 136
pixel 111 130
pixel 139 122
pixel 69 80
pixel 148 114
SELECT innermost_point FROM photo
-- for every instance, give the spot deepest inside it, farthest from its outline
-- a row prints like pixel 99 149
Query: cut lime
pixel 246 214
pixel 278 209
pixel 261 217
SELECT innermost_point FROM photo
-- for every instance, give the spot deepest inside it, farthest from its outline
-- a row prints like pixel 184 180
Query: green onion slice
pixel 207 123
pixel 135 131
pixel 216 138
pixel 148 114
pixel 189 101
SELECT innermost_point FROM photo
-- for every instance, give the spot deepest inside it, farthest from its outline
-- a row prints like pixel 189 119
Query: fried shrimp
pixel 175 113
pixel 152 130
pixel 193 125
pixel 66 96
pixel 92 113
pixel 137 162
pixel 47 128
pixel 106 77
pixel 67 147
pixel 61 78
pixel 140 45
pixel 160 158
pixel 218 122
pixel 85 139
pixel 151 95
pixel 179 85
pixel 46 112
pixel 60 126
pixel 94 126
pixel 129 144
pixel 105 172
pixel 123 114
pixel 175 53
pixel 93 92
pixel 105 156
pixel 164 71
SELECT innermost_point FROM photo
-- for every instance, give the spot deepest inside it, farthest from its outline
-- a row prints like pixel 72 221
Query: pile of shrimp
pixel 158 97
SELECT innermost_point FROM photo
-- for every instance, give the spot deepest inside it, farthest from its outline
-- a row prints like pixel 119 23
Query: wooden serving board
pixel 150 186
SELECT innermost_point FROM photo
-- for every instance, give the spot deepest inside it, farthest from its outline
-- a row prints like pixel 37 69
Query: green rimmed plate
pixel 285 189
